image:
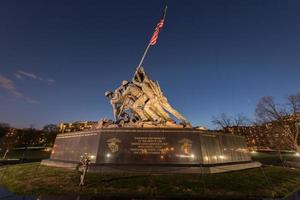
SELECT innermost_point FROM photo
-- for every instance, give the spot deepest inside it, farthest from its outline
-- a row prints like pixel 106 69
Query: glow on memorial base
pixel 253 152
pixel 48 149
pixel 186 156
pixel 206 158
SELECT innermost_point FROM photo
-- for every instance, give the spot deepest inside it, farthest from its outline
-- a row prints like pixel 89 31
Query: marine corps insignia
pixel 186 145
pixel 113 144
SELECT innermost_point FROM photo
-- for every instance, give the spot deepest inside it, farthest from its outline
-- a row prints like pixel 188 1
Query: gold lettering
pixel 148 145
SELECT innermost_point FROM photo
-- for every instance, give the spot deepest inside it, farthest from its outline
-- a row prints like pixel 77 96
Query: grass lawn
pixel 34 179
pixel 31 154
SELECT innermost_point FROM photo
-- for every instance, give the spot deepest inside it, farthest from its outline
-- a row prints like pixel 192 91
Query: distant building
pixel 257 137
pixel 76 126
pixel 266 136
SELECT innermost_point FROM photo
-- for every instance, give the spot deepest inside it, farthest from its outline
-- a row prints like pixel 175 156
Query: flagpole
pixel 149 44
pixel 144 55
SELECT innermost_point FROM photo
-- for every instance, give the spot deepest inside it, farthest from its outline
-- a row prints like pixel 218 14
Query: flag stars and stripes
pixel 158 27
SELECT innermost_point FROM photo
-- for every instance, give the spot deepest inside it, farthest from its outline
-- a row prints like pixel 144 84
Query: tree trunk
pixel 4 156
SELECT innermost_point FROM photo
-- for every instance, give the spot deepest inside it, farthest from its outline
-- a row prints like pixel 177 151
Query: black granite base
pixel 149 148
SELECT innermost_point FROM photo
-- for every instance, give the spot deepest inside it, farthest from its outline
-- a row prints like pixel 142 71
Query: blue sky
pixel 57 58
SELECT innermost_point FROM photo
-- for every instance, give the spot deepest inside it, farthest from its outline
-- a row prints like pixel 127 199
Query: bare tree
pixel 225 121
pixel 4 125
pixel 49 133
pixel 267 111
pixel 9 141
pixel 240 120
pixel 284 119
pixel 294 103
pixel 4 128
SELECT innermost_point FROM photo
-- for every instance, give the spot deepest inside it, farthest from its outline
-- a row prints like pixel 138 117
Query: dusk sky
pixel 57 58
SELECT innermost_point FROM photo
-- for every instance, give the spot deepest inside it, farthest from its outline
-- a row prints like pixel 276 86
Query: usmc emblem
pixel 186 145
pixel 113 144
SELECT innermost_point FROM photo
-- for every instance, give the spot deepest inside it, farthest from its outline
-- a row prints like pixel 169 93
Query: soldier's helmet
pixel 108 93
pixel 125 82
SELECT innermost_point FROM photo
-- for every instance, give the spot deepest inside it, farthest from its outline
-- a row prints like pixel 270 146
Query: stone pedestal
pixel 152 149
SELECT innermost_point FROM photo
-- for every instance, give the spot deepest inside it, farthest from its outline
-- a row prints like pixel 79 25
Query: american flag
pixel 158 27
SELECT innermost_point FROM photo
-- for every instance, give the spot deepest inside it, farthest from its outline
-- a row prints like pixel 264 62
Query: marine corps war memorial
pixel 149 135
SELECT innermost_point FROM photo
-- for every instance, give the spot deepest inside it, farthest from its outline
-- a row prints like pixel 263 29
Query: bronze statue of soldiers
pixel 144 99
pixel 139 105
pixel 157 99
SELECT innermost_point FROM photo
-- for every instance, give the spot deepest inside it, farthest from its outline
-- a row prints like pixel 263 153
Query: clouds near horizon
pixel 22 75
pixel 9 86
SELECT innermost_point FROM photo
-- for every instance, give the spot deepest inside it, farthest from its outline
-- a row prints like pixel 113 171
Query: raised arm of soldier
pixel 139 76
